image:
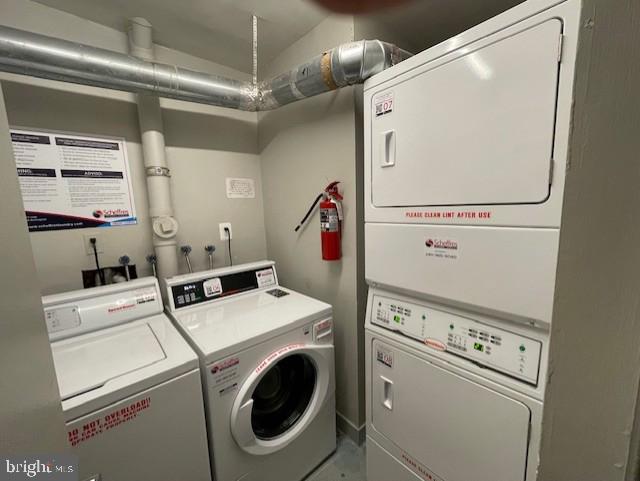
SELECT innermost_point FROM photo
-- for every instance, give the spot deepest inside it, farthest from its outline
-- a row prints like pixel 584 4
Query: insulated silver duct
pixel 348 64
pixel 37 55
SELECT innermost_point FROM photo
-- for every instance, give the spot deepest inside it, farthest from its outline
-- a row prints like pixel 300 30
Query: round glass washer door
pixel 281 397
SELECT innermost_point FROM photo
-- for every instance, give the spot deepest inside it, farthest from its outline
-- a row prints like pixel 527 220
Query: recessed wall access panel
pixel 476 130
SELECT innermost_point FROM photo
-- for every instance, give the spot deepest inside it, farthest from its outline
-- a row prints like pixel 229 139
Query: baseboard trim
pixel 357 434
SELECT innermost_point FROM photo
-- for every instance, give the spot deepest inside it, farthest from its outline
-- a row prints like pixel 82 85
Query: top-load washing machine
pixel 267 362
pixel 466 149
pixel 129 383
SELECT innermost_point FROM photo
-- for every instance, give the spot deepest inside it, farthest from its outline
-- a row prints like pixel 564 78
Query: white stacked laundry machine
pixel 465 156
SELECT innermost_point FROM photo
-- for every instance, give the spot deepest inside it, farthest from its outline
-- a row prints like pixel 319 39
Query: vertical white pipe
pixel 165 227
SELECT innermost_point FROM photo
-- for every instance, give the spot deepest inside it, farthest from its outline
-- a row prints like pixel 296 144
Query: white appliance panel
pixel 476 130
pixel 77 312
pixel 456 429
pixel 382 466
pixel 226 325
pixel 159 434
pixel 503 270
pixel 512 354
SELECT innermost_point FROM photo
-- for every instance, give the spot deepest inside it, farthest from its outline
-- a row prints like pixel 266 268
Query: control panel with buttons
pixel 62 318
pixel 491 347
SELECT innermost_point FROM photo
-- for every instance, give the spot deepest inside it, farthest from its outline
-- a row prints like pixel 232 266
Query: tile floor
pixel 346 464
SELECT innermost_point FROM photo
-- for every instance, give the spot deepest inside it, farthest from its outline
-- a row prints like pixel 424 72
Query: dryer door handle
pixel 386 394
pixel 388 147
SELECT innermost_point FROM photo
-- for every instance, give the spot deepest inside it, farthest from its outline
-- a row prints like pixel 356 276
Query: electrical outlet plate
pixel 88 248
pixel 223 234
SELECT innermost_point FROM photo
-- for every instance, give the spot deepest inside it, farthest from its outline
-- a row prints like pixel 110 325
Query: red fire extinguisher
pixel 330 221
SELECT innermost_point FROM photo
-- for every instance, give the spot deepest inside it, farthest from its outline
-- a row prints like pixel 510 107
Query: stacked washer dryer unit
pixel 267 362
pixel 129 383
pixel 466 151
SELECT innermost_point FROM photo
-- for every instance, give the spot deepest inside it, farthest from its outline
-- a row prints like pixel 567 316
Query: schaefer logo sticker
pixel 110 213
pixel 225 375
pixel 224 365
pixel 441 248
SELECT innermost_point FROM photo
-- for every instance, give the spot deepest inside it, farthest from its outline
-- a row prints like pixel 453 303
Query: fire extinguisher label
pixel 329 221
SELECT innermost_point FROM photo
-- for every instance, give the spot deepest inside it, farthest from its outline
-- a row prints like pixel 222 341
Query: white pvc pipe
pixel 165 227
pixel 141 39
pixel 155 161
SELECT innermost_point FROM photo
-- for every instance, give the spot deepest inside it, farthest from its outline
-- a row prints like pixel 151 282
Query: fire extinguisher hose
pixel 306 216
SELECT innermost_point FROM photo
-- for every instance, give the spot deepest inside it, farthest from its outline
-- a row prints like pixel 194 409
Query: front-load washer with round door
pixel 267 362
pixel 129 384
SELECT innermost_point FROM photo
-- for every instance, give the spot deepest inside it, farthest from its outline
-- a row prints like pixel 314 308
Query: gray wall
pixel 30 412
pixel 595 359
pixel 421 24
pixel 204 144
pixel 303 147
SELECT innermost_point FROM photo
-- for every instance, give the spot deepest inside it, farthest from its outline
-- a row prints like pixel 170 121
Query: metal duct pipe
pixel 348 64
pixel 51 58
pixel 37 55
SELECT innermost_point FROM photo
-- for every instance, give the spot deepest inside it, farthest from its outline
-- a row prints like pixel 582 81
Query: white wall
pixel 303 147
pixel 594 373
pixel 204 144
pixel 30 412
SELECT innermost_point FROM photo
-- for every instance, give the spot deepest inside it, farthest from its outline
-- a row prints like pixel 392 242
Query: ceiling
pixel 220 30
pixel 216 30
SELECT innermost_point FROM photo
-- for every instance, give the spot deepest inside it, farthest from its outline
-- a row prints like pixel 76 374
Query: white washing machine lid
pixel 227 326
pixel 101 367
pixel 86 364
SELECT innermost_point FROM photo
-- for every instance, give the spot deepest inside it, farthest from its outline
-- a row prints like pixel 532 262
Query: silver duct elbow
pixel 348 64
pixel 37 55
pixel 353 63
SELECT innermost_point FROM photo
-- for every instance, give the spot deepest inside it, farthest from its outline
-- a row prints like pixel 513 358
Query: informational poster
pixel 73 181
